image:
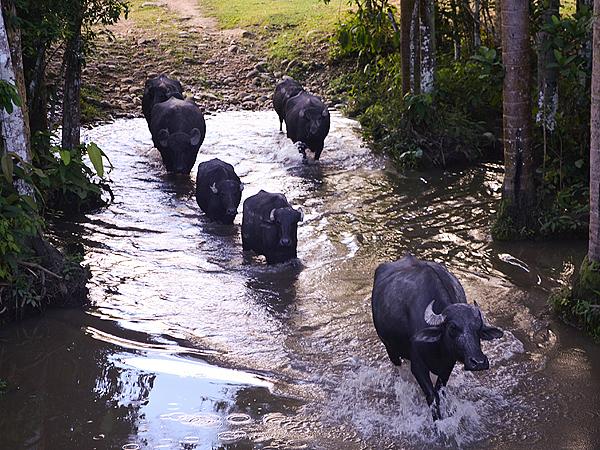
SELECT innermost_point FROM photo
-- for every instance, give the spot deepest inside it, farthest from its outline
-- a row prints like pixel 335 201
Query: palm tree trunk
pixel 406 10
pixel 547 72
pixel 594 234
pixel 415 50
pixel 427 45
pixel 518 193
pixel 71 121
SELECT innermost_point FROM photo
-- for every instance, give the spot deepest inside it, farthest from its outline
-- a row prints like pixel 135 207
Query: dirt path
pixel 221 69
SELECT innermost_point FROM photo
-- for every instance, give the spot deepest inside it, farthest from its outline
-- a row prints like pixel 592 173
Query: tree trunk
pixel 427 45
pixel 586 50
pixel 455 30
pixel 415 50
pixel 594 234
pixel 547 72
pixel 37 93
pixel 498 24
pixel 71 121
pixel 406 10
pixel 477 25
pixel 14 127
pixel 518 192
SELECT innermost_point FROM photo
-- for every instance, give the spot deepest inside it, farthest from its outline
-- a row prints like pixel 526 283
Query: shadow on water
pixel 191 343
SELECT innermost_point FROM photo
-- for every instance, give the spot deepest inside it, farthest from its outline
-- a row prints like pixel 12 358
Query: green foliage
pixel 564 172
pixel 68 184
pixel 8 96
pixel 454 125
pixel 370 32
pixel 581 305
pixel 19 218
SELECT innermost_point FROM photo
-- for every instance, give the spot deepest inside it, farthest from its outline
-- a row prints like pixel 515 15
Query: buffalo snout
pixel 231 212
pixel 285 242
pixel 475 363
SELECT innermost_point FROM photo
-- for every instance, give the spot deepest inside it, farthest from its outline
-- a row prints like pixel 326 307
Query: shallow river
pixel 192 344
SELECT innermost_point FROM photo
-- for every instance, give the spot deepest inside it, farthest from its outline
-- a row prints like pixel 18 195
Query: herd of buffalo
pixel 419 308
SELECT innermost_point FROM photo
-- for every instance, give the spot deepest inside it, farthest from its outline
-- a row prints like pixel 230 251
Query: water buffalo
pixel 269 226
pixel 218 190
pixel 307 122
pixel 178 130
pixel 159 89
pixel 283 92
pixel 420 313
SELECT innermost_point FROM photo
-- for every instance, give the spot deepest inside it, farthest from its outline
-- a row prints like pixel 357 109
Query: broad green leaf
pixel 95 155
pixel 65 155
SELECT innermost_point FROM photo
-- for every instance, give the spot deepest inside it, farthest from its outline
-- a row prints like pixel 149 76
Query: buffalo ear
pixel 163 137
pixel 488 333
pixel 195 137
pixel 429 335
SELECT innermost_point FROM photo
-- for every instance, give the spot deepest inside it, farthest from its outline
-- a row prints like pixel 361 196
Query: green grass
pixel 290 25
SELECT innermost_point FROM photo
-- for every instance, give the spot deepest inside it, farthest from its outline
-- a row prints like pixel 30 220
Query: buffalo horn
pixel 213 188
pixel 272 215
pixel 301 211
pixel 432 318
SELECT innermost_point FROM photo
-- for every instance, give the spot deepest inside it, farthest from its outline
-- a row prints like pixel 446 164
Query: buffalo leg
pixel 318 153
pixel 421 374
pixel 281 124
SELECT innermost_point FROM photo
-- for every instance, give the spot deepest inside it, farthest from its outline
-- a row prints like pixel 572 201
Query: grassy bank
pixel 289 26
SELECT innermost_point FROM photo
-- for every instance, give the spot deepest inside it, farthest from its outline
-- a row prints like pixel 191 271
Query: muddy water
pixel 192 344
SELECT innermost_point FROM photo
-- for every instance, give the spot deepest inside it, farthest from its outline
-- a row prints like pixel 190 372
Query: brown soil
pixel 221 69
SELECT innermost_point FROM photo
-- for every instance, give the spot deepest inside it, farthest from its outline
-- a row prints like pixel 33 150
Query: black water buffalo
pixel 307 122
pixel 178 130
pixel 159 89
pixel 269 226
pixel 218 190
pixel 420 313
pixel 283 92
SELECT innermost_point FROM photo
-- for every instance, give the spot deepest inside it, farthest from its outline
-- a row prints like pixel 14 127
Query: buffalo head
pixel 459 330
pixel 286 221
pixel 230 195
pixel 179 150
pixel 314 120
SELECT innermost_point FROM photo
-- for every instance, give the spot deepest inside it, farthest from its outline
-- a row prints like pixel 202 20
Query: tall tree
pixel 406 14
pixel 427 16
pixel 547 70
pixel 518 192
pixel 13 125
pixel 594 233
pixel 73 61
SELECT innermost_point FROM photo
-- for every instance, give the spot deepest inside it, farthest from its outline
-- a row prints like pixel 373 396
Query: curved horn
pixel 272 215
pixel 213 188
pixel 432 318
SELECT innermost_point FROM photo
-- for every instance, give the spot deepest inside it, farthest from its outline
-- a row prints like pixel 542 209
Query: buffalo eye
pixel 454 330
